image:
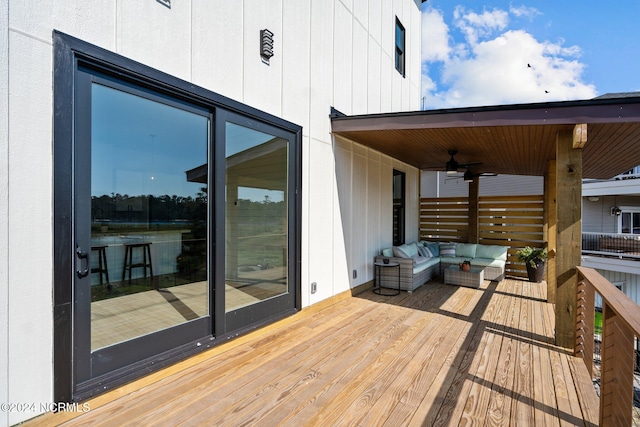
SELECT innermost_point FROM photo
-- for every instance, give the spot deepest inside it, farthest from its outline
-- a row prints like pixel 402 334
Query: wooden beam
pixel 569 236
pixel 550 228
pixel 579 135
pixel 474 192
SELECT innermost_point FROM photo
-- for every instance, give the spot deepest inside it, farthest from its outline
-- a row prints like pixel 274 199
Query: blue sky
pixel 503 52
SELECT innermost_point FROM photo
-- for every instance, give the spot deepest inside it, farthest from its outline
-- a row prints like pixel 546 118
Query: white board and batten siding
pixel 332 53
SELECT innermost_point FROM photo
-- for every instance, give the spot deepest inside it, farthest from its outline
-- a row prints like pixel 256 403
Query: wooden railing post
pixel 616 378
pixel 620 327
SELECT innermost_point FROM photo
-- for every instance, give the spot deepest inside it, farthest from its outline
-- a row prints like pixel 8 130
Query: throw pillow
pixel 447 249
pixel 424 251
pixel 399 252
pixel 434 247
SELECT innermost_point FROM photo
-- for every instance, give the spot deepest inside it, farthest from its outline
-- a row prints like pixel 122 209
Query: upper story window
pixel 400 47
pixel 629 220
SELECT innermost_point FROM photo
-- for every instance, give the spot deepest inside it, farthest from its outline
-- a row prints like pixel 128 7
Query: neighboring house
pixel 611 230
pixel 168 177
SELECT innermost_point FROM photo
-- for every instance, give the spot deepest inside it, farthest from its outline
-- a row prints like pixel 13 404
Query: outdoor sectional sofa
pixel 420 261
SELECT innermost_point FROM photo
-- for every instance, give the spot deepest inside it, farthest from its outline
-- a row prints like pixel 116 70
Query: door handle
pixel 83 258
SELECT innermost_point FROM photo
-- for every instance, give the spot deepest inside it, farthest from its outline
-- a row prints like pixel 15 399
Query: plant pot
pixel 536 274
pixel 465 267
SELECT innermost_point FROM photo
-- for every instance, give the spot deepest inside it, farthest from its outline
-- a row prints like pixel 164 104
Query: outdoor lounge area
pixel 442 355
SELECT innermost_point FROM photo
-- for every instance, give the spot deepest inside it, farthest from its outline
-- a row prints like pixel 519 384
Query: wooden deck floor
pixel 443 355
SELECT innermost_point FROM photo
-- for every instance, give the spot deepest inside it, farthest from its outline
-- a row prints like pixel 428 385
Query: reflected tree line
pixel 148 208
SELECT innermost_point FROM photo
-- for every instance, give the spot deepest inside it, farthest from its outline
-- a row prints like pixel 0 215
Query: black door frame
pixel 71 54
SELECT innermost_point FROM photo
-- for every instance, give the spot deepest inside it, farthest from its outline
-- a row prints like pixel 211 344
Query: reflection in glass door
pixel 256 219
pixel 149 234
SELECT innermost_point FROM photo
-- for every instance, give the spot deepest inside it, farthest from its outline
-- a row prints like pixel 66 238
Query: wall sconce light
pixel 266 45
pixel 615 211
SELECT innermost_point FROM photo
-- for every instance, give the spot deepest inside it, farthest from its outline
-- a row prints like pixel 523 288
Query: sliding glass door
pixel 258 277
pixel 141 224
pixel 176 219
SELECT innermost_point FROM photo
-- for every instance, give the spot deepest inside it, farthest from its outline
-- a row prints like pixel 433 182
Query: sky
pixel 493 52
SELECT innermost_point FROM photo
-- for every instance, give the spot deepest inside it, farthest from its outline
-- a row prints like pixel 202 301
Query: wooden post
pixel 474 191
pixel 569 236
pixel 550 228
pixel 616 375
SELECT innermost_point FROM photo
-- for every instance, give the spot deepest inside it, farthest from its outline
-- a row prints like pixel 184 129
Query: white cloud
pixel 524 11
pixel 435 37
pixel 497 65
pixel 474 26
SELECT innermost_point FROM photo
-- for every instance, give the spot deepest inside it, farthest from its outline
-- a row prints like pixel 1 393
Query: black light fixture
pixel 468 176
pixel 451 166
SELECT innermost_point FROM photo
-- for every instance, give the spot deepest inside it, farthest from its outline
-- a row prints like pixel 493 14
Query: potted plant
pixel 535 260
pixel 465 265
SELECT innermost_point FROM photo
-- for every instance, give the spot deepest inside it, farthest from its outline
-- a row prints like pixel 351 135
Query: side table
pixel 377 285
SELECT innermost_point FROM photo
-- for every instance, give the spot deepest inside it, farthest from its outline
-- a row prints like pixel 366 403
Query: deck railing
pixel 620 327
pixel 606 244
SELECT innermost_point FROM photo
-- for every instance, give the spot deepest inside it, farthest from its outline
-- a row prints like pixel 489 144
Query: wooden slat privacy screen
pixel 514 221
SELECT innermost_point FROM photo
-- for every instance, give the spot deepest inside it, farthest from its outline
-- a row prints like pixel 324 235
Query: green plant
pixel 532 256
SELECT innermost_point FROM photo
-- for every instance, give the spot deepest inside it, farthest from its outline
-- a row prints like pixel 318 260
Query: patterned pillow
pixel 447 249
pixel 434 247
pixel 424 251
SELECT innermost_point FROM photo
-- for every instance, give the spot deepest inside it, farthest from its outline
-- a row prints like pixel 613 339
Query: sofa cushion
pixel 447 250
pixel 387 252
pixel 492 251
pixel 434 247
pixel 466 250
pixel 488 262
pixel 420 259
pixel 423 266
pixel 452 260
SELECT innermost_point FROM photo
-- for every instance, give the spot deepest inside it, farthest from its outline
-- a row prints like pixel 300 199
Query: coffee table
pixel 472 278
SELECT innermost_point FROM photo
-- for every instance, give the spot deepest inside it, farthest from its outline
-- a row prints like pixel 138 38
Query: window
pixel 400 48
pixel 629 220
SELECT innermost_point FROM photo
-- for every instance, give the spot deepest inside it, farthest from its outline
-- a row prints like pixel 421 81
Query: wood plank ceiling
pixel 518 140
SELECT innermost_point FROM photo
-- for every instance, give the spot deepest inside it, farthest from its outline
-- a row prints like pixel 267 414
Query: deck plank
pixel 500 401
pixel 460 397
pixel 477 399
pixel 546 413
pixel 443 355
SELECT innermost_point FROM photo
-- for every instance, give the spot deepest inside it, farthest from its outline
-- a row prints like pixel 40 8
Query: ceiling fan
pixel 452 167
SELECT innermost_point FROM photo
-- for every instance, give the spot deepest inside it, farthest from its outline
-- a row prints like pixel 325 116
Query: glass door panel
pixel 256 218
pixel 149 262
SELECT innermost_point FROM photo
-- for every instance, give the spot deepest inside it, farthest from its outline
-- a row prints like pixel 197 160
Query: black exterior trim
pixel 71 55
